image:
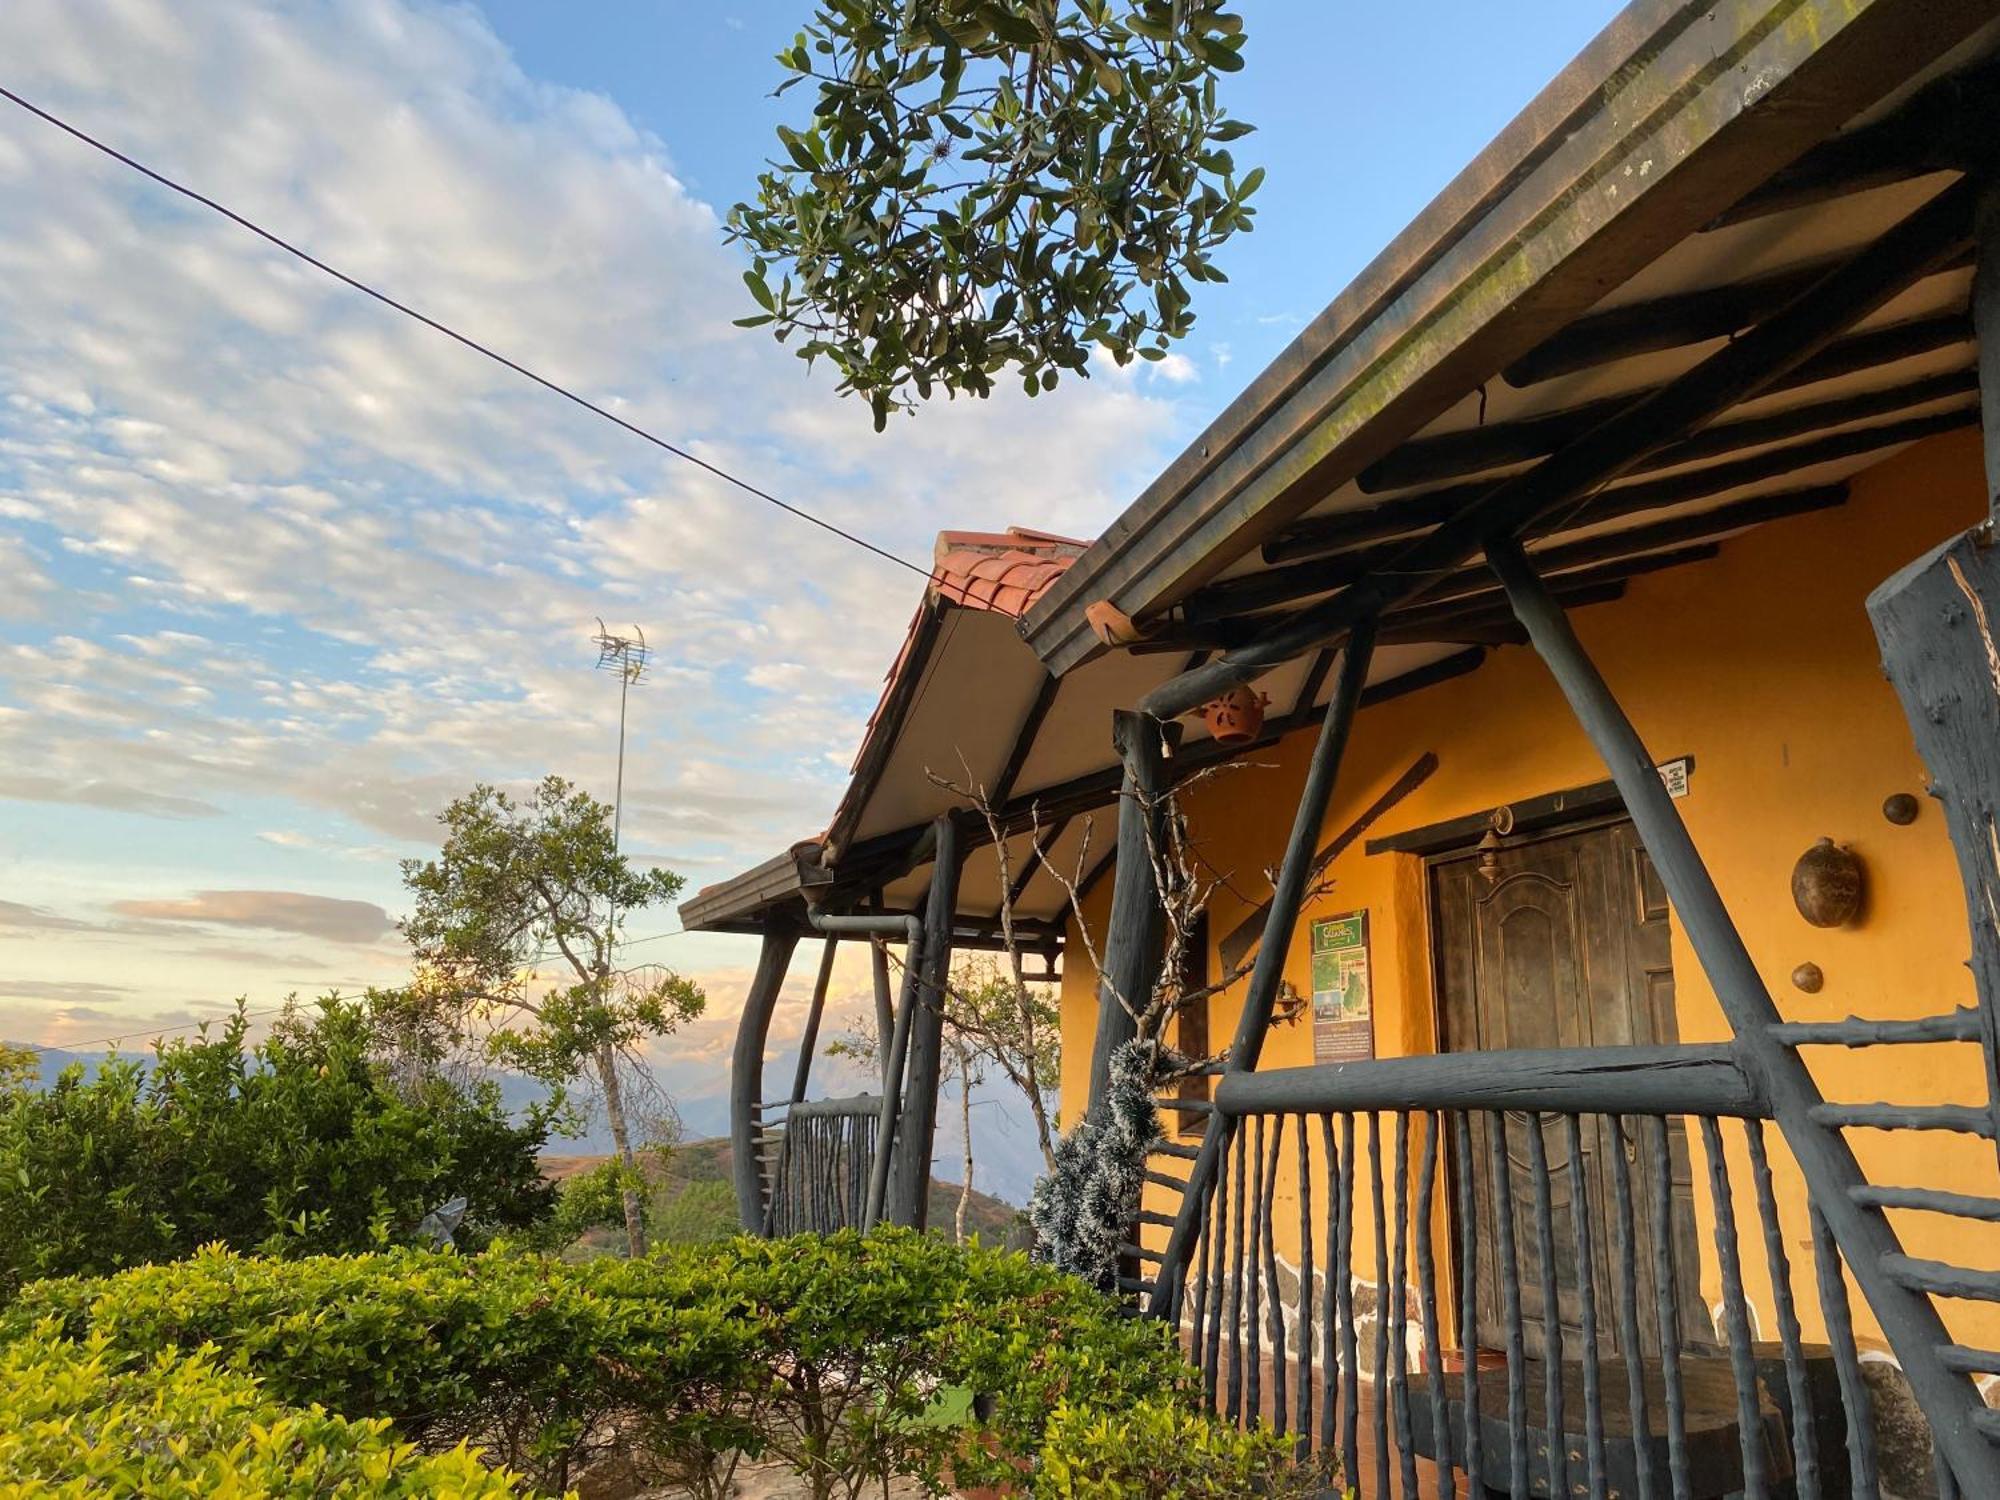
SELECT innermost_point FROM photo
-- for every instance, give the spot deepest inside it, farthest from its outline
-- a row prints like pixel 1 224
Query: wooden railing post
pixel 1909 1319
pixel 885 1006
pixel 746 1071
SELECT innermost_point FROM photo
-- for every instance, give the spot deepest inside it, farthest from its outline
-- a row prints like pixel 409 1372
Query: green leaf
pixel 760 291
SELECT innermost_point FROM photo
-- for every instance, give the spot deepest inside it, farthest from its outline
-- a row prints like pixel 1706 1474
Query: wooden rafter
pixel 1315 679
pixel 1928 134
pixel 1305 580
pixel 1037 857
pixel 1459 455
pixel 1935 233
pixel 1671 322
pixel 1400 517
pixel 1502 444
pixel 889 855
pixel 1024 739
pixel 1468 589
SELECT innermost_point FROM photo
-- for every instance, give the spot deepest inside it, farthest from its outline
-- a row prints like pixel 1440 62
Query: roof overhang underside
pixel 1690 173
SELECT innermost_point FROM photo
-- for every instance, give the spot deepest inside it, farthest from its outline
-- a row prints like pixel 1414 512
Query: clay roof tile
pixel 1001 571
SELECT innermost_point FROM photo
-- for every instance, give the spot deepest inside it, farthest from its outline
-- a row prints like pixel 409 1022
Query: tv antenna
pixel 627 656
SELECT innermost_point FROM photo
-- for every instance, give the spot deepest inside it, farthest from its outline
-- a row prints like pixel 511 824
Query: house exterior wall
pixel 1762 666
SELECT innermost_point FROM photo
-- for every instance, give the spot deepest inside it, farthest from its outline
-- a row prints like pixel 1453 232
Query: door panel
pixel 1563 941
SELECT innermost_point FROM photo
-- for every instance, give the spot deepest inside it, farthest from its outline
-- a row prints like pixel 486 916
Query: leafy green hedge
pixel 536 1359
pixel 852 1360
pixel 298 1144
pixel 76 1420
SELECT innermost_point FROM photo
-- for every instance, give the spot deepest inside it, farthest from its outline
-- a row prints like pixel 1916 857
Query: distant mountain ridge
pixel 1007 1161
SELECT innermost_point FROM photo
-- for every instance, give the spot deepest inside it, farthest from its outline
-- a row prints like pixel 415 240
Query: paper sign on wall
pixel 1343 1000
pixel 1674 776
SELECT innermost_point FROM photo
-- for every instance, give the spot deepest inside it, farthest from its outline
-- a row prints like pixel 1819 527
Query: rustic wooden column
pixel 810 1041
pixel 885 1004
pixel 1136 933
pixel 1986 328
pixel 1280 922
pixel 1938 624
pixel 910 1173
pixel 746 1070
pixel 1868 1243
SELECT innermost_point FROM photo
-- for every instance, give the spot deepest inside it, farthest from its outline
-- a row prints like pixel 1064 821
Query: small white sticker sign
pixel 1674 777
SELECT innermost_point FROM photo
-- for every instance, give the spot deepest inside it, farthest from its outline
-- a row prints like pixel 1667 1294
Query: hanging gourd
pixel 1827 884
pixel 1237 717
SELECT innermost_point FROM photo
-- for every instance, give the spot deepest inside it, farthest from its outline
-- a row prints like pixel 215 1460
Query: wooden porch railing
pixel 1301 1321
pixel 823 1161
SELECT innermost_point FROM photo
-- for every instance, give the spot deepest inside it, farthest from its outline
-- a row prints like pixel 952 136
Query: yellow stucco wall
pixel 1762 666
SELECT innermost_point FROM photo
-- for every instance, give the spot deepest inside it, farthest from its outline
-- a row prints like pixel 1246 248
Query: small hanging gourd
pixel 1237 717
pixel 1827 884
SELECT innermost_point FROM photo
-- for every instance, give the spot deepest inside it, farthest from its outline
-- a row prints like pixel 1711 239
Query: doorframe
pixel 1548 811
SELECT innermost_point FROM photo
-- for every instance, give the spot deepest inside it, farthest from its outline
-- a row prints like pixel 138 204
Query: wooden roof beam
pixel 869 858
pixel 1395 518
pixel 1935 233
pixel 1024 739
pixel 1469 587
pixel 1305 580
pixel 1037 857
pixel 1458 455
pixel 1673 322
pixel 1927 134
pixel 1315 679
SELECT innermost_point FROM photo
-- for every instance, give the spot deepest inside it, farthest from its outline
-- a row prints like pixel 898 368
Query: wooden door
pixel 1563 941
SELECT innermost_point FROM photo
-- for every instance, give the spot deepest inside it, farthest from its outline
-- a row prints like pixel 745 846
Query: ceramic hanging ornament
pixel 1237 717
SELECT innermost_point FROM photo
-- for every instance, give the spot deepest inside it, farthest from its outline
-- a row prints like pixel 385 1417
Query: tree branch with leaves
pixel 989 186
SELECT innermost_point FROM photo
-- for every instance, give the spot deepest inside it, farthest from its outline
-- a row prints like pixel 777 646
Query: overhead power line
pixel 150 1031
pixel 452 333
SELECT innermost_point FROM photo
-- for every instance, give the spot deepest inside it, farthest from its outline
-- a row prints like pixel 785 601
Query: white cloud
pixel 292 563
pixel 298 912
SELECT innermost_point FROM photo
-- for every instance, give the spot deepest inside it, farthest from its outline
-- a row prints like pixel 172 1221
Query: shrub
pixel 296 1145
pixel 693 1213
pixel 1160 1451
pixel 533 1359
pixel 591 1200
pixel 853 1359
pixel 76 1420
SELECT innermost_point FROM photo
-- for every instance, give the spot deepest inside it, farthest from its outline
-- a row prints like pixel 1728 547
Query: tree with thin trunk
pixel 514 933
pixel 965 1064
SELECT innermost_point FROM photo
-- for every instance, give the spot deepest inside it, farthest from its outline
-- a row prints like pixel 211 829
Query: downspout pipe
pixel 911 930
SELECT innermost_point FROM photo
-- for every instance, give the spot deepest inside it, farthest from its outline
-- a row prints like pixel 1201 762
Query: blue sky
pixel 280 573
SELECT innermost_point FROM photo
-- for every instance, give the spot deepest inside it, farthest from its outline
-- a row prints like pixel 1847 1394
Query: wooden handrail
pixel 1683 1080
